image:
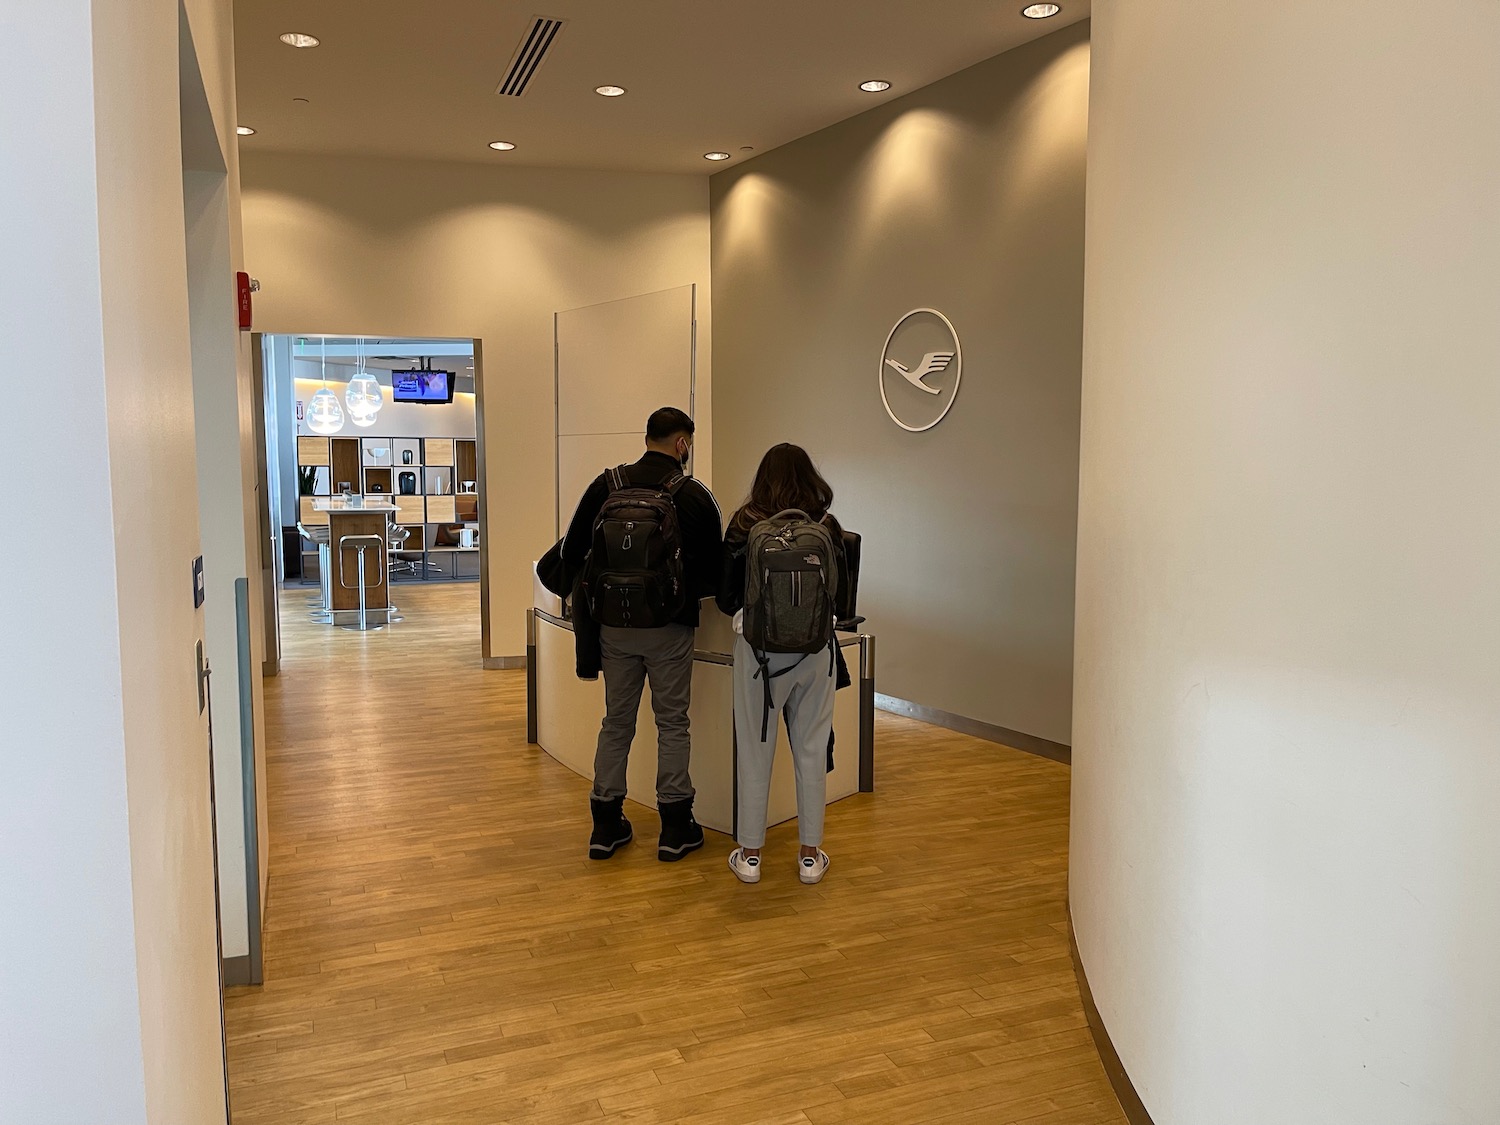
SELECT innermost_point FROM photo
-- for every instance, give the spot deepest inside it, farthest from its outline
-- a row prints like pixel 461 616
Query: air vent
pixel 530 55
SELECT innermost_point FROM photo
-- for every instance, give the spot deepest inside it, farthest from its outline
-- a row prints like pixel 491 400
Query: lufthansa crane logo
pixel 920 368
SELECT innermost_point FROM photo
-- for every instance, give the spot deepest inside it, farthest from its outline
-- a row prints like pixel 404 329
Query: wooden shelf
pixel 440 465
pixel 346 464
pixel 309 515
pixel 440 509
pixel 312 451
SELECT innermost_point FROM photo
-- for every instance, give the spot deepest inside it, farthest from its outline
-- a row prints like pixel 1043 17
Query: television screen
pixel 422 386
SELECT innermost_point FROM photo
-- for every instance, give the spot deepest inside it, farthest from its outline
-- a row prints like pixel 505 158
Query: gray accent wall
pixel 966 196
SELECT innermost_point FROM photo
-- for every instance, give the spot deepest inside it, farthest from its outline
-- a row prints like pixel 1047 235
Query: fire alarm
pixel 245 287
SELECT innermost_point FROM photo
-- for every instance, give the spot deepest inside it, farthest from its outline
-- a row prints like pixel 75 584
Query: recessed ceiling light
pixel 244 130
pixel 875 86
pixel 716 156
pixel 610 91
pixel 501 146
pixel 1040 11
pixel 297 39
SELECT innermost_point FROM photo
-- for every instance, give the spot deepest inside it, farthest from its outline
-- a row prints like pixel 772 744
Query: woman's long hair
pixel 786 479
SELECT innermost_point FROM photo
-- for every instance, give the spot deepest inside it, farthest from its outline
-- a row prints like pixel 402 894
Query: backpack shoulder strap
pixel 614 479
pixel 673 484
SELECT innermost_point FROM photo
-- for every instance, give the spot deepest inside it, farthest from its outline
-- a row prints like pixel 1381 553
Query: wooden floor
pixel 440 950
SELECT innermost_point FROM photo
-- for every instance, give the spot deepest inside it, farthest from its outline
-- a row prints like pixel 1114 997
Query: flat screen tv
pixel 422 386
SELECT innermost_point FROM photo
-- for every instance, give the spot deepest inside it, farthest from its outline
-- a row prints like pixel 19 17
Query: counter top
pixel 339 504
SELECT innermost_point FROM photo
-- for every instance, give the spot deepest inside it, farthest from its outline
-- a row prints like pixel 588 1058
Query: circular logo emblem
pixel 920 369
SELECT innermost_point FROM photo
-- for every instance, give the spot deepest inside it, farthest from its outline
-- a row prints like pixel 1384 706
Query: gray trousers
pixel 805 694
pixel 664 655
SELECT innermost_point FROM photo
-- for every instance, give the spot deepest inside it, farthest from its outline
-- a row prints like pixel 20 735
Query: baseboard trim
pixel 1114 1068
pixel 1004 736
pixel 504 663
pixel 236 971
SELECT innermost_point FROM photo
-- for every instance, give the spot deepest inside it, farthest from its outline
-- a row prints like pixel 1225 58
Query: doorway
pixel 390 424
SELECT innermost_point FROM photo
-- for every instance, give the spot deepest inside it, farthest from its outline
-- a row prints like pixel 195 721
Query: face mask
pixel 684 455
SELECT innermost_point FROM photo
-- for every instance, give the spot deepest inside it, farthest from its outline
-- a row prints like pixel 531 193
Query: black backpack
pixel 791 586
pixel 633 577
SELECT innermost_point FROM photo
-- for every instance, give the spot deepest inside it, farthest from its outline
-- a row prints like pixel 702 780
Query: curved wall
pixel 1286 844
pixel 964 196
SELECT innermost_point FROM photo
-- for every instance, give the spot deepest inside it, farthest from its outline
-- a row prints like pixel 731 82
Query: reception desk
pixel 564 712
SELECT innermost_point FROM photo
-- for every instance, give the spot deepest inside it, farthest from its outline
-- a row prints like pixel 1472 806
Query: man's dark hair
pixel 666 422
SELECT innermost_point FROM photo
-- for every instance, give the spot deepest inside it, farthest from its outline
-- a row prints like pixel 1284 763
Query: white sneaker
pixel 746 868
pixel 813 868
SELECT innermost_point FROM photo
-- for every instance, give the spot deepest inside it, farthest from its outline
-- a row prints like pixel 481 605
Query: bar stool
pixel 361 544
pixel 321 603
pixel 395 539
pixel 398 537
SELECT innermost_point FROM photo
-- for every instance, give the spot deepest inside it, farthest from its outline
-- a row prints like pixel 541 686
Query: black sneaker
pixel 680 833
pixel 611 830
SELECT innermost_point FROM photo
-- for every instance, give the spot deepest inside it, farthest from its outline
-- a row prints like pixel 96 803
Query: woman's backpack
pixel 791 578
pixel 791 581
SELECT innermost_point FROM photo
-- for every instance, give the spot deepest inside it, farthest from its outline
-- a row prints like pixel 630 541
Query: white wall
pixel 68 994
pixel 108 980
pixel 396 419
pixel 354 247
pixel 1285 847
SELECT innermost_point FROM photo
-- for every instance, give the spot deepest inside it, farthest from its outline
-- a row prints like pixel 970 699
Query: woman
pixel 769 683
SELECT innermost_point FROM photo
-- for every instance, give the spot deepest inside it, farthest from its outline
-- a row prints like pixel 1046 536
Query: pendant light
pixel 324 414
pixel 362 395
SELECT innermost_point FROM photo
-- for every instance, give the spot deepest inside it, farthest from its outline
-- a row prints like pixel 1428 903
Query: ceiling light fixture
pixel 297 39
pixel 501 146
pixel 875 86
pixel 324 414
pixel 1040 11
pixel 363 396
pixel 716 156
pixel 610 91
pixel 244 131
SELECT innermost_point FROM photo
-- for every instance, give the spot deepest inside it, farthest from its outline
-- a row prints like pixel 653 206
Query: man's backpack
pixel 633 578
pixel 791 581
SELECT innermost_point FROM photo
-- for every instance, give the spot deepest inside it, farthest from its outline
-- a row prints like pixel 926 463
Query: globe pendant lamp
pixel 324 414
pixel 362 395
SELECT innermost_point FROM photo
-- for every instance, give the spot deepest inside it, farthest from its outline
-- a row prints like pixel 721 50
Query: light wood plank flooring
pixel 440 950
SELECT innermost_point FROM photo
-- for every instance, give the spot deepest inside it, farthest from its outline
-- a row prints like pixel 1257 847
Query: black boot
pixel 611 829
pixel 680 833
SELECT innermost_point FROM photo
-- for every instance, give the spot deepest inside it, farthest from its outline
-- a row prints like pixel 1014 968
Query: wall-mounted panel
pixel 616 363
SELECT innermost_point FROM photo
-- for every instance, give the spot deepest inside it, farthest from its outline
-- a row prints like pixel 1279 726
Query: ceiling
pixel 384 353
pixel 399 79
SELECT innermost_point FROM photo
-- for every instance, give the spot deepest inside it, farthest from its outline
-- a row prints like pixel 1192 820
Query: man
pixel 647 542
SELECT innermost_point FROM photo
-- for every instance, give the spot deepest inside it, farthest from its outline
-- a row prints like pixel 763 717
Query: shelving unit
pixel 432 481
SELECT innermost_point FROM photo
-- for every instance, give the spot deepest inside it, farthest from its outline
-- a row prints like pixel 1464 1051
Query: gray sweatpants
pixel 630 656
pixel 805 694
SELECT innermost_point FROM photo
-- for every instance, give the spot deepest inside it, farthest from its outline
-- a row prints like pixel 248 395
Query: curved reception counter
pixel 564 712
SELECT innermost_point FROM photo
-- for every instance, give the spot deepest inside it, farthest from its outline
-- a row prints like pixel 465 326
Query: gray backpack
pixel 791 581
